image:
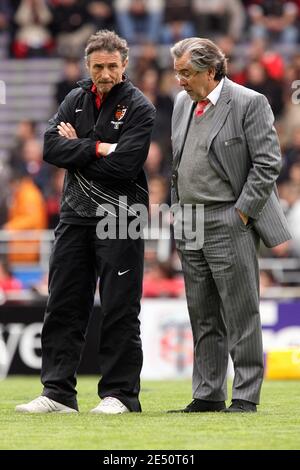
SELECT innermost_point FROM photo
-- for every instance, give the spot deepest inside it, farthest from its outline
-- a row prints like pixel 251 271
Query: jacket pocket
pixel 232 141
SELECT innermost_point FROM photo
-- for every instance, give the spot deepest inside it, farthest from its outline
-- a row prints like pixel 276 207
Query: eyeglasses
pixel 185 74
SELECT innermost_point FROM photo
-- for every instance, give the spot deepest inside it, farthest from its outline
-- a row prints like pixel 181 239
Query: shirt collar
pixel 98 98
pixel 214 95
pixel 94 90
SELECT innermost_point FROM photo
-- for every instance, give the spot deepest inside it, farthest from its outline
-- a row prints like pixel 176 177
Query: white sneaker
pixel 110 406
pixel 44 405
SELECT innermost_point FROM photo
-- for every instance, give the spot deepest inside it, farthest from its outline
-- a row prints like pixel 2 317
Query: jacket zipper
pixel 90 197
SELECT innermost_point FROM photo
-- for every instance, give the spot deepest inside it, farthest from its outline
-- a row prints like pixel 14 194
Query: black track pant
pixel 77 259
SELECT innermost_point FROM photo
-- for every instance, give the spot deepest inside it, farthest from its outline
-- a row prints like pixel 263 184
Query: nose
pixel 105 74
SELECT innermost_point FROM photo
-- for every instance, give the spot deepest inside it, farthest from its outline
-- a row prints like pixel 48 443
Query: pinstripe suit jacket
pixel 243 148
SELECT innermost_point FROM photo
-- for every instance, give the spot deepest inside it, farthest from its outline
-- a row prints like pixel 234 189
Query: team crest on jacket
pixel 119 114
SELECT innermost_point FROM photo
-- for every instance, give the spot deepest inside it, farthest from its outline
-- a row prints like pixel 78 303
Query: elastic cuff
pixel 98 155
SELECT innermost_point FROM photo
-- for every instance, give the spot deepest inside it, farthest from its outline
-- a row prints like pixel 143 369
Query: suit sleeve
pixel 131 152
pixel 264 150
pixel 62 152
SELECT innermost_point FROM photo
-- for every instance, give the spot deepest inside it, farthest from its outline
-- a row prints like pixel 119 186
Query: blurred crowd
pixel 261 40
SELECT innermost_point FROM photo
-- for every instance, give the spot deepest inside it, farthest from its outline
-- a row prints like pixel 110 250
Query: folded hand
pixel 67 130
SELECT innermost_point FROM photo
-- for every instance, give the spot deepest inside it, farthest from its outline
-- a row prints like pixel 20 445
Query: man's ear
pixel 125 63
pixel 87 64
pixel 211 73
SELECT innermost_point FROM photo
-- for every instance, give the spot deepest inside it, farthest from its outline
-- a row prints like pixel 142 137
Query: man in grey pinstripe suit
pixel 226 158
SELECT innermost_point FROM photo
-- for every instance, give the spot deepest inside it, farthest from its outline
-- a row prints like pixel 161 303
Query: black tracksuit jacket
pixel 126 117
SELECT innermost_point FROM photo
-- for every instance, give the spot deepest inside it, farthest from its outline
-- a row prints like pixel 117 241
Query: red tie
pixel 200 107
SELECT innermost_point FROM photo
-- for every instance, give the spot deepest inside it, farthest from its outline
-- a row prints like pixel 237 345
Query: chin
pixel 106 89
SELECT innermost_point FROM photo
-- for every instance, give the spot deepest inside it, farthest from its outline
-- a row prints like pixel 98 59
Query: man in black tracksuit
pixel 101 135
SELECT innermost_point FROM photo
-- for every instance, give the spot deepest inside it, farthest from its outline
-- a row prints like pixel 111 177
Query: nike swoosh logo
pixel 124 272
pixel 78 110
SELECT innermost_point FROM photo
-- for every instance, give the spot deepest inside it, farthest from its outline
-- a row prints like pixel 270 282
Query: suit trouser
pixel 78 258
pixel 222 289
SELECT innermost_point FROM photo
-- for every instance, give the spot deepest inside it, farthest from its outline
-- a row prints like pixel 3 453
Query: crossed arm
pixel 67 130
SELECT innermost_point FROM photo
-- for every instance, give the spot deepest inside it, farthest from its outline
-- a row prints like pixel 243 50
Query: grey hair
pixel 105 40
pixel 204 54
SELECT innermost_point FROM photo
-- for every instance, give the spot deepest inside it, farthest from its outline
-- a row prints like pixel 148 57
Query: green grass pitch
pixel 275 426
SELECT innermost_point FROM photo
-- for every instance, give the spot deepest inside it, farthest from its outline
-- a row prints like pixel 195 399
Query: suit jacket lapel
pixel 220 116
pixel 187 113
